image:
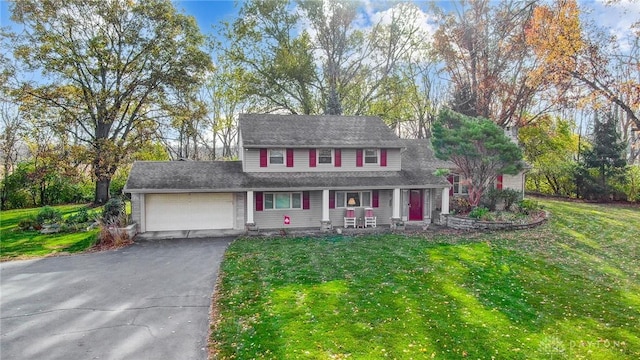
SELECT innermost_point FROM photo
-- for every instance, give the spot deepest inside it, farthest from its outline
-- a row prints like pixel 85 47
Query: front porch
pixel 328 208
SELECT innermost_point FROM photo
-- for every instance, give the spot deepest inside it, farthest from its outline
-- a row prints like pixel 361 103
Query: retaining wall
pixel 463 223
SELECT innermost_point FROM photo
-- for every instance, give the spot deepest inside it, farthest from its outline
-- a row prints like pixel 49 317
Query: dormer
pixel 294 143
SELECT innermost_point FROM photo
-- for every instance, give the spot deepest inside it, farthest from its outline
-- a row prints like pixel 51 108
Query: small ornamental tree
pixel 478 147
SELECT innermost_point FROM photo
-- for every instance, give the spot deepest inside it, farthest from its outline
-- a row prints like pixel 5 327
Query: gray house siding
pixel 136 209
pixel 251 162
pixel 514 182
pixel 273 219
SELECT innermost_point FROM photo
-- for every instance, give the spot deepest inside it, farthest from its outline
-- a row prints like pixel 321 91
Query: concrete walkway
pixel 147 301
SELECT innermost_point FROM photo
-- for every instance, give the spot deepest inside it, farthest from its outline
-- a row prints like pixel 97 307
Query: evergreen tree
pixel 478 147
pixel 604 161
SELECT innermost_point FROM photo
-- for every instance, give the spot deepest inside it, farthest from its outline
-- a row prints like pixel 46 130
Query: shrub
pixel 527 206
pixel 490 198
pixel 48 215
pixel 110 236
pixel 113 213
pixel 28 224
pixel 510 197
pixel 478 212
pixel 80 217
pixel 461 205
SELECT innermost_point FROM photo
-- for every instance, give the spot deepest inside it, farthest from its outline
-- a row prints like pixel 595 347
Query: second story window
pixel 276 156
pixel 371 156
pixel 325 156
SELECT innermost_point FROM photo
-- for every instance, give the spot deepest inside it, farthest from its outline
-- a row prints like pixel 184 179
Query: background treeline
pixel 89 87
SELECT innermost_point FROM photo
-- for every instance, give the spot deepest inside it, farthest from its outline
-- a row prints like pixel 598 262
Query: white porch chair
pixel 350 218
pixel 369 218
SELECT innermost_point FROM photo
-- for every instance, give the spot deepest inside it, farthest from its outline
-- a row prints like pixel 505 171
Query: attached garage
pixel 189 211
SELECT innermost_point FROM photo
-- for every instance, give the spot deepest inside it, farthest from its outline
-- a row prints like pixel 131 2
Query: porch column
pixel 325 205
pixel 250 208
pixel 445 201
pixel 396 204
pixel 325 222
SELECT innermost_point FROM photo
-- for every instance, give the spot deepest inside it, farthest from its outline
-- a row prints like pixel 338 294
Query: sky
pixel 617 18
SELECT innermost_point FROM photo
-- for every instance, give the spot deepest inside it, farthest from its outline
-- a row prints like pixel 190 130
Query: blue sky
pixel 206 12
pixel 209 12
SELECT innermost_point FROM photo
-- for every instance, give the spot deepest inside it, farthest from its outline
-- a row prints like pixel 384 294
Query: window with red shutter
pixel 332 199
pixel 499 182
pixel 338 157
pixel 375 198
pixel 383 157
pixel 450 179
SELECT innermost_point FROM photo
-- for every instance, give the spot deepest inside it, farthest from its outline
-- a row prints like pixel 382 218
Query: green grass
pixel 569 289
pixel 16 244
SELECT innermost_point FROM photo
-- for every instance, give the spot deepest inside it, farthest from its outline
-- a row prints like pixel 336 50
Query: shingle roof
pixel 418 167
pixel 267 130
pixel 419 156
pixel 185 175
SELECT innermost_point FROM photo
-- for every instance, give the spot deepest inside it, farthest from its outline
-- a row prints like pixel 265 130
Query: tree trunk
pixel 102 190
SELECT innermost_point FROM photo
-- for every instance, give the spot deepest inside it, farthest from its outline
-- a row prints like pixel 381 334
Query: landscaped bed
pixel 21 244
pixel 567 289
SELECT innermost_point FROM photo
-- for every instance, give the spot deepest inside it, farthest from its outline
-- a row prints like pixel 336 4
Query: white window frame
pixel 377 156
pixel 274 202
pixel 457 188
pixel 343 194
pixel 330 157
pixel 283 152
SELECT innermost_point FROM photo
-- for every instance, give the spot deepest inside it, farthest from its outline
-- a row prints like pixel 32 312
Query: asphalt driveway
pixel 147 301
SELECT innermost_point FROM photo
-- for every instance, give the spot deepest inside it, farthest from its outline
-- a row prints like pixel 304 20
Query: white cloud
pixel 617 17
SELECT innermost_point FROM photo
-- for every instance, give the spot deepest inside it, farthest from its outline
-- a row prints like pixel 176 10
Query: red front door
pixel 415 205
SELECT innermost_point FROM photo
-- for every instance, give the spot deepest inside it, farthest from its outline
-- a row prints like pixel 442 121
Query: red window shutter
pixel 263 157
pixel 289 157
pixel 332 199
pixel 375 198
pixel 338 157
pixel 305 200
pixel 312 157
pixel 259 200
pixel 499 182
pixel 450 179
pixel 359 157
pixel 383 157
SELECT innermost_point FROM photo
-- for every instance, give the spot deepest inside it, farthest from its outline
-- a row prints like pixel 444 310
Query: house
pixel 295 172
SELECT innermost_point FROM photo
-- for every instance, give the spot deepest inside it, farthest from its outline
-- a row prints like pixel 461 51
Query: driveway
pixel 147 301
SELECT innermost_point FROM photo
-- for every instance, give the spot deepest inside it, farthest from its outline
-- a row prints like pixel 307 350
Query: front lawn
pixel 16 244
pixel 569 289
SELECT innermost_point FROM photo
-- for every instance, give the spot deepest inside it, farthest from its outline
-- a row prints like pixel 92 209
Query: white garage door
pixel 192 211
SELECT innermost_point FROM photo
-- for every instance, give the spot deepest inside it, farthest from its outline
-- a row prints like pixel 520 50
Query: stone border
pixel 460 223
pixel 130 230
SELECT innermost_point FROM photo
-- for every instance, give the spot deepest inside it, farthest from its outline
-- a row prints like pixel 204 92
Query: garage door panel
pixel 190 211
